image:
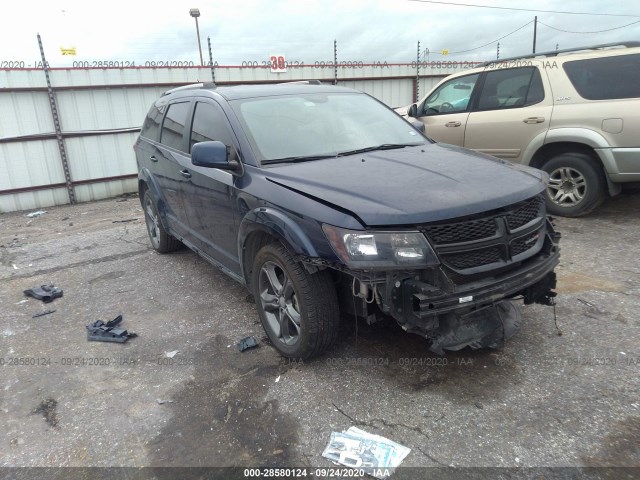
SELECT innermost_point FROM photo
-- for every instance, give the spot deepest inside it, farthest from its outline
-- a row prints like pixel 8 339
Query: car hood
pixel 411 185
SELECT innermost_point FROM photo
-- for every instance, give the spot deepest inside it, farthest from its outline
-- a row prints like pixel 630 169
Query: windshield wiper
pixel 301 158
pixel 384 146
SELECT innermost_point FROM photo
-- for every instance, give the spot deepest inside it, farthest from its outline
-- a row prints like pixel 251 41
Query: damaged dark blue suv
pixel 322 200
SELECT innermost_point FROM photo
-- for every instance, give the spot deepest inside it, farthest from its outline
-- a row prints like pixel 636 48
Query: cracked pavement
pixel 553 397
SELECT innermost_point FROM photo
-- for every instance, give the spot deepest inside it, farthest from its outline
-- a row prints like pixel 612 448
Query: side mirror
pixel 213 155
pixel 413 111
pixel 418 125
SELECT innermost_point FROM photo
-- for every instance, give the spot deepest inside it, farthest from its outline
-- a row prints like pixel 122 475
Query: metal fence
pixel 78 147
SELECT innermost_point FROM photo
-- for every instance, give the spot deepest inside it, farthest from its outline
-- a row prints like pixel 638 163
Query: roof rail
pixel 302 82
pixel 566 50
pixel 191 86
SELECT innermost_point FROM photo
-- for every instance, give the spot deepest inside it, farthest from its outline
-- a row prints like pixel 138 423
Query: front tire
pixel 576 184
pixel 298 310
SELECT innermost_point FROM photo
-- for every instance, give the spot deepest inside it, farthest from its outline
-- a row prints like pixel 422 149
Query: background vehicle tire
pixel 161 241
pixel 298 310
pixel 577 184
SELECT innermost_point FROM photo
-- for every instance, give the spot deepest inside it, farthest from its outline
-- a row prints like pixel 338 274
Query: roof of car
pixel 263 90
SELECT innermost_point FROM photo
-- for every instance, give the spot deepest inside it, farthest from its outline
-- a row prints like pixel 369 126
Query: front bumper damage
pixel 480 313
pixel 454 311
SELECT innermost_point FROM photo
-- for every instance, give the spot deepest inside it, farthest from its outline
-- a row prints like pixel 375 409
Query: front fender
pixel 281 226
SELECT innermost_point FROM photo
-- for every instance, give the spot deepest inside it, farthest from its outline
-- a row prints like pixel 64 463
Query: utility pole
pixel 498 51
pixel 195 13
pixel 535 32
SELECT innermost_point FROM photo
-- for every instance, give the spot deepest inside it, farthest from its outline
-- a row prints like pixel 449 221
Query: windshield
pixel 319 125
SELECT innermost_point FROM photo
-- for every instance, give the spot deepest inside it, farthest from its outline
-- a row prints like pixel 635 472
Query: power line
pixel 494 41
pixel 524 9
pixel 597 31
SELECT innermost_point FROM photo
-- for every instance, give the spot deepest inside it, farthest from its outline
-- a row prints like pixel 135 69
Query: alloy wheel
pixel 279 303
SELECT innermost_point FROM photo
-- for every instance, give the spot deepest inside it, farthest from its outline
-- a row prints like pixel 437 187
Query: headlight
pixel 363 249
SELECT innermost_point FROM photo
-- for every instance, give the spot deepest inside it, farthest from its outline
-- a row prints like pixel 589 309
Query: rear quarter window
pixel 172 131
pixel 605 78
pixel 151 127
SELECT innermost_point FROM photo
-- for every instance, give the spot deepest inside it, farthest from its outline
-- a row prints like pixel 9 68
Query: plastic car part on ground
pixel 375 455
pixel 246 343
pixel 99 331
pixel 46 293
pixel 486 327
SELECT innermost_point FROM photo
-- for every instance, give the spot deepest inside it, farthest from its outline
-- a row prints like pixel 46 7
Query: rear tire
pixel 161 241
pixel 577 184
pixel 298 310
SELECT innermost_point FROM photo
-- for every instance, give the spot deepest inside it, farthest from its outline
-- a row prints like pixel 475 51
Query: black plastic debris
pixel 486 327
pixel 42 314
pixel 99 331
pixel 246 343
pixel 46 293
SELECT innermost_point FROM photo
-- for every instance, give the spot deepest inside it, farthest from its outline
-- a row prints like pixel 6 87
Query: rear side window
pixel 512 88
pixel 606 78
pixel 151 126
pixel 210 123
pixel 173 125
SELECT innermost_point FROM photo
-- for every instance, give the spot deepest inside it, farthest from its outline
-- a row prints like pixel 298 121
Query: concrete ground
pixel 565 396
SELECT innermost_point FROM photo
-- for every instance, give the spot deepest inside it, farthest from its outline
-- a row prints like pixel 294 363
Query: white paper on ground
pixel 375 455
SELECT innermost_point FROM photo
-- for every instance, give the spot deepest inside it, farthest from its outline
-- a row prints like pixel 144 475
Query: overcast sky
pixel 243 30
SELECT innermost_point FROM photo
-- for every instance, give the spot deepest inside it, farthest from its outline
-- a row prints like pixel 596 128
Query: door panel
pixel 511 110
pixel 210 192
pixel 445 111
pixel 170 158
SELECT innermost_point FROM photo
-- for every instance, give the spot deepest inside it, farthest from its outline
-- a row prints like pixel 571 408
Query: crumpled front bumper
pixel 453 315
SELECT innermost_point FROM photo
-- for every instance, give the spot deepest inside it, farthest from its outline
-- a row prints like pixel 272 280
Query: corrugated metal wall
pixel 93 101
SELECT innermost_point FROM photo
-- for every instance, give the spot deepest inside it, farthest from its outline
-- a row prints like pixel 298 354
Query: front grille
pixel 522 244
pixel 485 243
pixel 474 258
pixel 462 231
pixel 524 213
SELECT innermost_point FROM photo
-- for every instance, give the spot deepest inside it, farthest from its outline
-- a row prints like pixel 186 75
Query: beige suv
pixel 573 113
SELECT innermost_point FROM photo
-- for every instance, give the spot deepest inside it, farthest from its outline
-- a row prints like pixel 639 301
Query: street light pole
pixel 195 13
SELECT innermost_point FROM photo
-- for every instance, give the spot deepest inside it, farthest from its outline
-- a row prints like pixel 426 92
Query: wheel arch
pixel 553 149
pixel 262 226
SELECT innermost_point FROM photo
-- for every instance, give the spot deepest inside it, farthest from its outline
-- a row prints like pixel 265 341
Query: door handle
pixel 452 124
pixel 534 120
pixel 153 158
pixel 185 173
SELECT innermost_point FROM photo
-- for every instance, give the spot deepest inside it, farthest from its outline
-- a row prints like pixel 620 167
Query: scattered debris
pixel 125 221
pixel 39 213
pixel 21 302
pixel 14 266
pixel 375 455
pixel 122 200
pixel 99 331
pixel 65 218
pixel 585 302
pixel 172 353
pixel 479 405
pixel 46 293
pixel 246 343
pixel 42 314
pixel 160 401
pixel 278 379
